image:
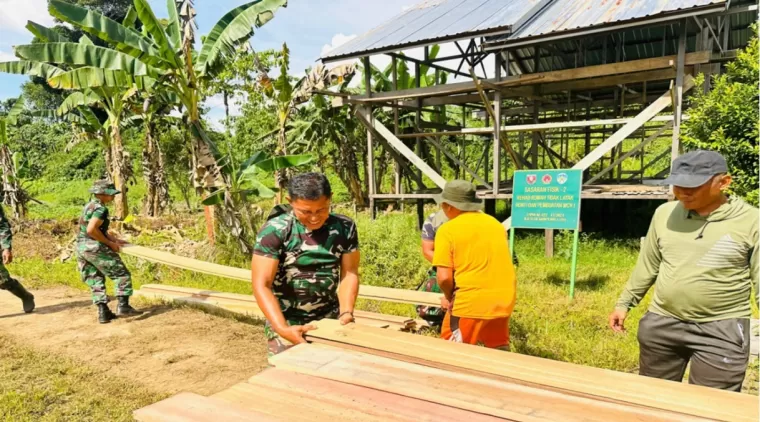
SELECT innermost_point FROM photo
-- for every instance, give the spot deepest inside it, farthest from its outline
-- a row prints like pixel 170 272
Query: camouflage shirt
pixel 95 209
pixel 5 230
pixel 306 283
pixel 432 224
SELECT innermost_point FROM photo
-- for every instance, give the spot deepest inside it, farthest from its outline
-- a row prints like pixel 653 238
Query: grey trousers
pixel 718 351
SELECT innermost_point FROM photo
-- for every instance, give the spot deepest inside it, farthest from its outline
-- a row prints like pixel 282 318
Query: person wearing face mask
pixel 305 264
pixel 701 254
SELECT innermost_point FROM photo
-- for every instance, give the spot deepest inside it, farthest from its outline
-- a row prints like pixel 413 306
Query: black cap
pixel 695 168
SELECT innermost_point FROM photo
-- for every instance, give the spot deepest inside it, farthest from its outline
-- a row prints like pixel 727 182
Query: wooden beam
pixel 398 145
pixel 678 92
pixel 496 117
pixel 631 66
pixel 611 81
pixel 371 186
pixel 534 127
pixel 633 150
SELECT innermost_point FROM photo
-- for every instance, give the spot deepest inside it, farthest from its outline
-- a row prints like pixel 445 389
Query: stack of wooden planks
pixel 246 305
pixel 361 373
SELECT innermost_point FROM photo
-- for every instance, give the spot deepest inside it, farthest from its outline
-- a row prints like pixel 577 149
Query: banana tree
pixel 157 197
pixel 13 194
pixel 246 184
pixel 164 54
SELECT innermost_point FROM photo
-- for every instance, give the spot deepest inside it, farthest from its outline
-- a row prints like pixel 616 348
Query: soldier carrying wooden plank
pixel 305 264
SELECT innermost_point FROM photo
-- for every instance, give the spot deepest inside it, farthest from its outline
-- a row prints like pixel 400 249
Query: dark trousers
pixel 718 350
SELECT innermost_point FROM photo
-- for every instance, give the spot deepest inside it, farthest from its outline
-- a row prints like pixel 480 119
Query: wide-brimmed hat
pixel 696 168
pixel 104 187
pixel 460 194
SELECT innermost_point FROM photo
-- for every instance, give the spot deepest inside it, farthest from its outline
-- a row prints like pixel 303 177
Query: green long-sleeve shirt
pixel 5 230
pixel 703 268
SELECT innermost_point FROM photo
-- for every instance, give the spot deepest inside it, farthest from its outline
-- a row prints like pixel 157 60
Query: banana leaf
pixel 152 26
pixel 173 30
pixel 234 28
pixel 76 100
pixel 85 55
pixel 30 68
pixel 44 33
pixel 91 77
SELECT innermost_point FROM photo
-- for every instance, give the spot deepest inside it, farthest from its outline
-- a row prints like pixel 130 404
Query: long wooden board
pixel 371 402
pixel 246 305
pixel 467 392
pixel 365 292
pixel 574 379
pixel 190 407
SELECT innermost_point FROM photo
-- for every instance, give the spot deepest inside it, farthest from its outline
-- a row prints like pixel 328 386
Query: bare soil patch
pixel 167 349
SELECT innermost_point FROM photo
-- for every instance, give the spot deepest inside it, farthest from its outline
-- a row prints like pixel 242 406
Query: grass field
pixel 545 323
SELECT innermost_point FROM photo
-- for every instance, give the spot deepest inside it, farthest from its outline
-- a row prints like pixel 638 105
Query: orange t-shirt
pixel 475 246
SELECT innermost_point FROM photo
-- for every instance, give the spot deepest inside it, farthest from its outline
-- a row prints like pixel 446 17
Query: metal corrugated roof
pixel 568 15
pixel 438 20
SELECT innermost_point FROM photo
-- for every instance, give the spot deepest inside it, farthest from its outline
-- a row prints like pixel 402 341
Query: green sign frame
pixel 548 199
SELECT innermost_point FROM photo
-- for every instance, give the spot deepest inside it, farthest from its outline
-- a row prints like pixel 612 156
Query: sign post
pixel 548 199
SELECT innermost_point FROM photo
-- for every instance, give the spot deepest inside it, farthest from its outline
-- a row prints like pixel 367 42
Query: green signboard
pixel 548 199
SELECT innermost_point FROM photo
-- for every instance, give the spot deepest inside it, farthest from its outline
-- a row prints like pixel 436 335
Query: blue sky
pixel 308 26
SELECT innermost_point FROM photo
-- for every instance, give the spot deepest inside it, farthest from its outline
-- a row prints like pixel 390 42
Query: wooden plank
pixel 631 66
pixel 365 292
pixel 573 379
pixel 461 391
pixel 372 402
pixel 190 407
pixel 613 80
pixel 399 146
pixel 247 305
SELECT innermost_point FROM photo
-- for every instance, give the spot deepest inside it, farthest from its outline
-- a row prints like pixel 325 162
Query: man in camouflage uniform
pixel 6 281
pixel 305 264
pixel 98 254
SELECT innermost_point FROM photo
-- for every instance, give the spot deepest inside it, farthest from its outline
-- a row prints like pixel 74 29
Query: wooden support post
pixel 418 113
pixel 397 166
pixel 549 243
pixel 587 140
pixel 371 187
pixel 497 128
pixel 620 147
pixel 678 94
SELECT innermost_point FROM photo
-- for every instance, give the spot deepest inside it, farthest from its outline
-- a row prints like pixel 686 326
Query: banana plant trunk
pixel 281 176
pixel 157 198
pixel 120 171
pixel 348 171
pixel 13 195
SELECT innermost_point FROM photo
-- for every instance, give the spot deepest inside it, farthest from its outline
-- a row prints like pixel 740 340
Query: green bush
pixel 726 120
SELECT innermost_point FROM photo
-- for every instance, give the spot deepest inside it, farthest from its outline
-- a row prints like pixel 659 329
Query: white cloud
pixel 7 57
pixel 337 41
pixel 17 12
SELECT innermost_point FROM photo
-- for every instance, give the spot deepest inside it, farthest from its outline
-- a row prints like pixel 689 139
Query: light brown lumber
pixel 373 402
pixel 467 392
pixel 631 66
pixel 190 407
pixel 365 292
pixel 246 305
pixel 573 379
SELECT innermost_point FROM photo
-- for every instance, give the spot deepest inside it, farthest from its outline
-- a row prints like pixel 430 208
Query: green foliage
pixel 726 120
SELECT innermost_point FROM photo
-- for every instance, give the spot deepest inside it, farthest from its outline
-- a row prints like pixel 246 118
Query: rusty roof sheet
pixel 438 20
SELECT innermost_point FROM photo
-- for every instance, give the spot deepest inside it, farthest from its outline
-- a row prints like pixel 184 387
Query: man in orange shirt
pixel 474 246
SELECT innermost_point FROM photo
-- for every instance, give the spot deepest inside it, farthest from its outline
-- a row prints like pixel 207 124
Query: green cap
pixel 461 195
pixel 104 187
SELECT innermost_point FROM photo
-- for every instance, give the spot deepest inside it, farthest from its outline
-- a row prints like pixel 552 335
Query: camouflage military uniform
pixel 5 241
pixel 306 283
pixel 431 314
pixel 95 260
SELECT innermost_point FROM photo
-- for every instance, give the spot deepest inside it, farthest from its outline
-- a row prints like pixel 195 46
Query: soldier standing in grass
pixel 6 281
pixel 701 253
pixel 98 254
pixel 305 264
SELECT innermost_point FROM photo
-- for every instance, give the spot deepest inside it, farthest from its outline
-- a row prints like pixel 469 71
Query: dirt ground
pixel 167 349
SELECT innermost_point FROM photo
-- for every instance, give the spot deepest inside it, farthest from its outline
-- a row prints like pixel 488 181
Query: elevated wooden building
pixel 597 85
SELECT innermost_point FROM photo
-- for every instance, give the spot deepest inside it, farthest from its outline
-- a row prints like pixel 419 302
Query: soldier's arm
pixel 349 281
pixel 263 272
pixel 6 236
pixel 428 239
pixel 93 230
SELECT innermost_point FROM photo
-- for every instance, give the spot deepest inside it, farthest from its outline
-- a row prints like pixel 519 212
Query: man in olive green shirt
pixel 701 254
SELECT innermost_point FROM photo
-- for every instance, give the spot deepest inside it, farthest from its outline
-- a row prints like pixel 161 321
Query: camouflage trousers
pixel 95 263
pixel 277 344
pixel 6 280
